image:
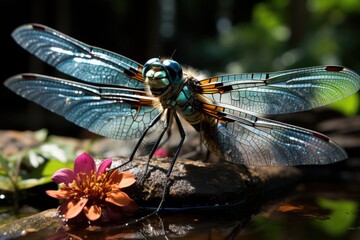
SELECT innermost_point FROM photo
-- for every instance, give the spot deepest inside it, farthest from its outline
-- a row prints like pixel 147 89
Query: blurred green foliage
pixel 312 222
pixel 348 106
pixel 34 166
pixel 285 34
pixel 341 219
pixel 269 228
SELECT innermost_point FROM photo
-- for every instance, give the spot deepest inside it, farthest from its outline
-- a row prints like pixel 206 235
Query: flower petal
pixel 118 198
pixel 84 163
pixel 93 212
pixel 127 179
pixel 71 208
pixel 63 175
pixel 104 165
pixel 59 194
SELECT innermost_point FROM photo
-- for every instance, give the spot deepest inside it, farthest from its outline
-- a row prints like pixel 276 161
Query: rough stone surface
pixel 34 223
pixel 199 184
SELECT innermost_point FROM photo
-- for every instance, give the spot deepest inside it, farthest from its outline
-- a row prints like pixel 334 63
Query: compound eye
pixel 157 79
pixel 159 83
pixel 174 69
pixel 152 61
pixel 149 64
pixel 168 63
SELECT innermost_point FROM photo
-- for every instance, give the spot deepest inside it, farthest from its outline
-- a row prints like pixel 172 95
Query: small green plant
pixel 34 166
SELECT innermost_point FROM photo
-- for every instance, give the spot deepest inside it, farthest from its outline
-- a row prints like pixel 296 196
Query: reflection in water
pixel 225 223
pixel 341 218
pixel 316 211
pixel 321 211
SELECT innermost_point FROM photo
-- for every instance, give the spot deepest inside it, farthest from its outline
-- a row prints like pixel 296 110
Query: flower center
pixel 93 186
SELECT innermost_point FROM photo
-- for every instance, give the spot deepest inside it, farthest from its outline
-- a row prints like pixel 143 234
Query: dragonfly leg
pixel 152 123
pixel 168 136
pixel 157 143
pixel 182 135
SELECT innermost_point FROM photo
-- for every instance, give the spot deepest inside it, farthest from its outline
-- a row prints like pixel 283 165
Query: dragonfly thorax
pixel 162 77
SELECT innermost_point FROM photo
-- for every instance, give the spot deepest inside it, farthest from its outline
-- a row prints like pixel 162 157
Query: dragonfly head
pixel 162 75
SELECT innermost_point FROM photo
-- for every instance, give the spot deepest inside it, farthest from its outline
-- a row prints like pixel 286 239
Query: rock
pixel 48 220
pixel 192 183
pixel 196 184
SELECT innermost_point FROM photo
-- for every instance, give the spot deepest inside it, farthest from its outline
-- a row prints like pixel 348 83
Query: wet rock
pixel 22 227
pixel 196 184
pixel 192 183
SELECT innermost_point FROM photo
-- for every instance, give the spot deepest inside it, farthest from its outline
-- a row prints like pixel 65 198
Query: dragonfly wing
pixel 77 59
pixel 108 111
pixel 246 139
pixel 282 92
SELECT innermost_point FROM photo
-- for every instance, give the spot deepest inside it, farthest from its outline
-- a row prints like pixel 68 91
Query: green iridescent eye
pixel 160 74
pixel 157 79
pixel 159 83
pixel 150 73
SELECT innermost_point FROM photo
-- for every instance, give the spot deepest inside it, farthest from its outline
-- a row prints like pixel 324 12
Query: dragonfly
pixel 116 97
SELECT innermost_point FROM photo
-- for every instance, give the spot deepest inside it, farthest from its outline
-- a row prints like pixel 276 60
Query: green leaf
pixel 341 219
pixel 6 172
pixel 53 165
pixel 41 135
pixel 50 151
pixel 32 182
pixel 35 159
pixel 348 106
pixel 4 164
pixel 6 184
pixel 269 228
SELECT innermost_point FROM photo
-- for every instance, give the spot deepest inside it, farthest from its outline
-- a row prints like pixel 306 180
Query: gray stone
pixel 197 184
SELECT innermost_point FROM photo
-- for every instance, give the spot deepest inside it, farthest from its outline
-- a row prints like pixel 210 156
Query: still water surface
pixel 322 210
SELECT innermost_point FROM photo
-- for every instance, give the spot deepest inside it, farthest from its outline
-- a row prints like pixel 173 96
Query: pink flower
pixel 161 153
pixel 95 193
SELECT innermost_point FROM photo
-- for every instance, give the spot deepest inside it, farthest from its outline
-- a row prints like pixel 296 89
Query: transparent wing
pixel 77 59
pixel 246 139
pixel 121 113
pixel 282 92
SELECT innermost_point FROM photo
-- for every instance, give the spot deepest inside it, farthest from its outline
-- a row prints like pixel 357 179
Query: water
pixel 314 210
